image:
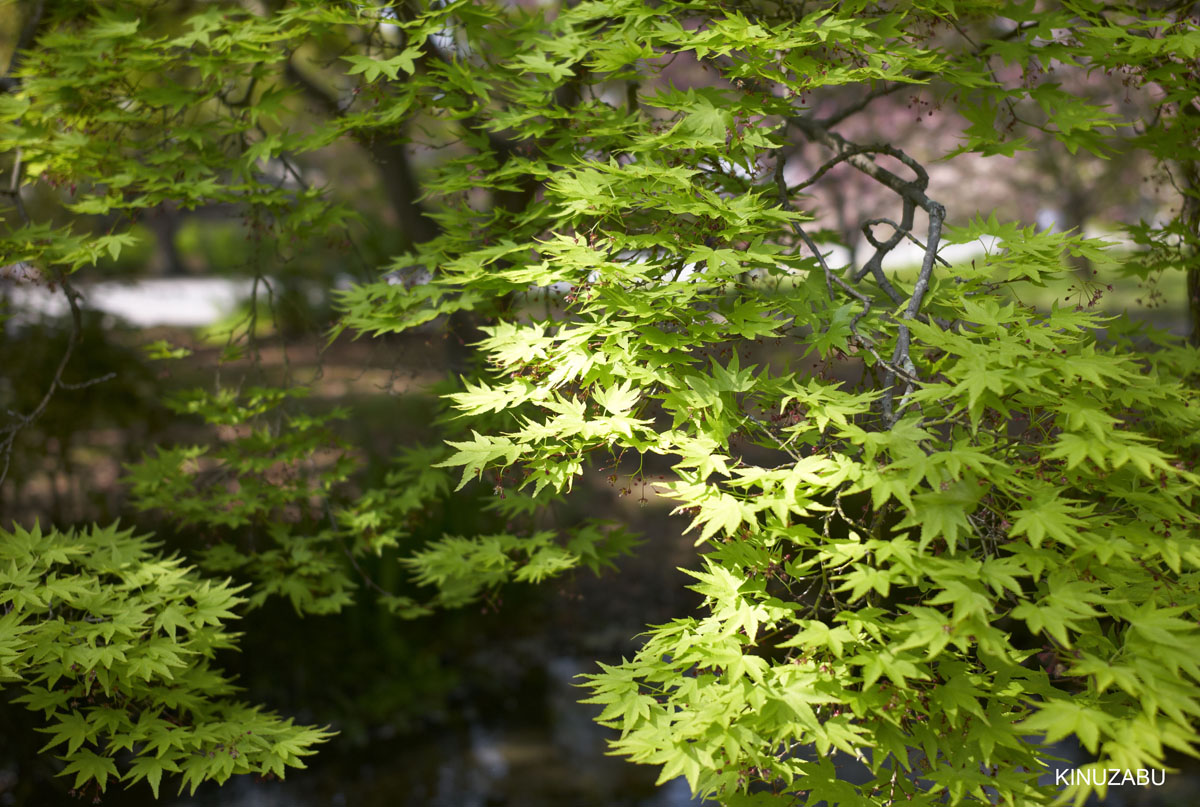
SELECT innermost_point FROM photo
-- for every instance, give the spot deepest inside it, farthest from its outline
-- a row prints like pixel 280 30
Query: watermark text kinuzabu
pixel 1112 777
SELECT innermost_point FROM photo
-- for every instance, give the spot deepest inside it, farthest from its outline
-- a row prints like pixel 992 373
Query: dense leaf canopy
pixel 942 526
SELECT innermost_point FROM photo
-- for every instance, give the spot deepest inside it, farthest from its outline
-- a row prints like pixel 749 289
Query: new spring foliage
pixel 977 539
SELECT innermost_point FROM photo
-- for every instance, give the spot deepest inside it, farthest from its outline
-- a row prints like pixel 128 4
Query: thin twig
pixel 11 431
pixel 904 232
pixel 917 78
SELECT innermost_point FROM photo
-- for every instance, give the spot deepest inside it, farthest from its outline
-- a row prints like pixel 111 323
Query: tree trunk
pixel 1190 217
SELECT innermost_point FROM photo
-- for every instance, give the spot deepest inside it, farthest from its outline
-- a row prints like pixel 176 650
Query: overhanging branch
pixel 912 192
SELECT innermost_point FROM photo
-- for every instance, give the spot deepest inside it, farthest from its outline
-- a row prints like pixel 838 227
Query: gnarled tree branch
pixel 912 191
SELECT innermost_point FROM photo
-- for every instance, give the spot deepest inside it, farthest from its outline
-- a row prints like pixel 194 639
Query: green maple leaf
pixel 151 769
pixel 87 766
pixel 73 729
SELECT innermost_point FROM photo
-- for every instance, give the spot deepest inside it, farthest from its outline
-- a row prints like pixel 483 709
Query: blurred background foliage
pixel 252 307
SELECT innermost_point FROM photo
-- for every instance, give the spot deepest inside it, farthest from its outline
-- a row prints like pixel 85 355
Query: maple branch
pixel 8 434
pixel 832 278
pixel 912 191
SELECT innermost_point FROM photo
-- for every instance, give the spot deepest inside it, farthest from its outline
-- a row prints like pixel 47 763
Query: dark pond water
pixel 538 749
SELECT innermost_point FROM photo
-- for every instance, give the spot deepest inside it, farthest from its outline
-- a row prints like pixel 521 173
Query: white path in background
pixel 180 302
